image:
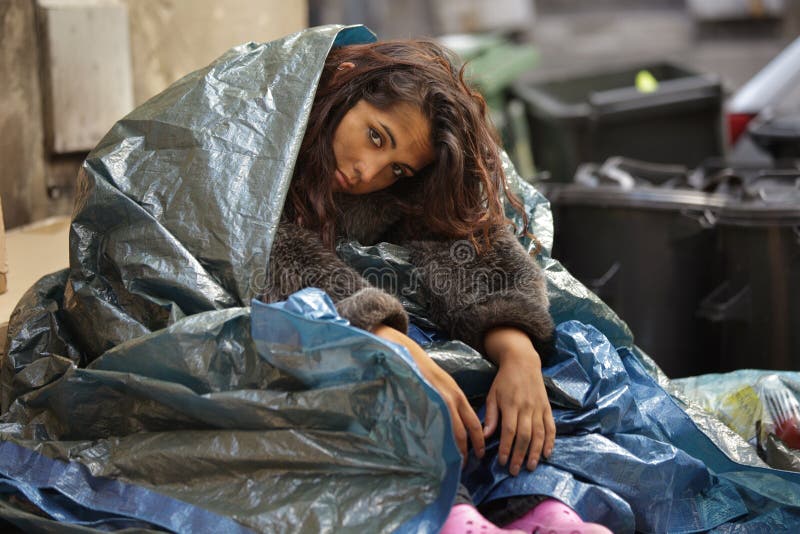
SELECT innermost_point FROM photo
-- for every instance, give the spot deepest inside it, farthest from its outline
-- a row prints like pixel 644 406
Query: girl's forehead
pixel 413 133
pixel 408 117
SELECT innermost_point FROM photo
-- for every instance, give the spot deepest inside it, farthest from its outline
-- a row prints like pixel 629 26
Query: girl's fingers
pixel 459 432
pixel 521 441
pixel 491 415
pixel 537 441
pixel 507 433
pixel 550 432
pixel 473 426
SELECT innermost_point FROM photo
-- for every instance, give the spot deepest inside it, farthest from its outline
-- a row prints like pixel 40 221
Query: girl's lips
pixel 343 183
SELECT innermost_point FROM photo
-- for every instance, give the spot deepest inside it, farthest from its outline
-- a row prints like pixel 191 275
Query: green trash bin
pixel 492 64
pixel 676 118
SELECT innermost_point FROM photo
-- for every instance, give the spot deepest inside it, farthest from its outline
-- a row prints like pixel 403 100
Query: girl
pixel 398 149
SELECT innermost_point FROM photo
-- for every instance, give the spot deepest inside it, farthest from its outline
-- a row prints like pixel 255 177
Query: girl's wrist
pixel 506 344
pixel 518 358
pixel 419 355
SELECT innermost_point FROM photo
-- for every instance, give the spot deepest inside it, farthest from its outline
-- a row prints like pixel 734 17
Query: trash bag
pixel 142 388
pixel 763 407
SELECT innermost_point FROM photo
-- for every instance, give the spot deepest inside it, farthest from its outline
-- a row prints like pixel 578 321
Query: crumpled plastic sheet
pixel 739 399
pixel 282 417
pixel 139 390
pixel 138 364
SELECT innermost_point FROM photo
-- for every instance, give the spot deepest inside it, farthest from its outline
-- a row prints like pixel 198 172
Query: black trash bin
pixel 596 116
pixel 639 237
pixel 703 265
pixel 779 135
pixel 755 305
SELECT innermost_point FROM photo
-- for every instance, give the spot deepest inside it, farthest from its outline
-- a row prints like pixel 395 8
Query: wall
pixel 169 38
pixel 22 167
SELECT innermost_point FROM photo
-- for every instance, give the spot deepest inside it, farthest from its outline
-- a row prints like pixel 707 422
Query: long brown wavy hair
pixel 460 190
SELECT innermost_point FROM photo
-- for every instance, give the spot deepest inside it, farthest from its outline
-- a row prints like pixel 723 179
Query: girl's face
pixel 375 147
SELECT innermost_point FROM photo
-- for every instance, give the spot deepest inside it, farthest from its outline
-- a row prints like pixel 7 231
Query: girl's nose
pixel 367 169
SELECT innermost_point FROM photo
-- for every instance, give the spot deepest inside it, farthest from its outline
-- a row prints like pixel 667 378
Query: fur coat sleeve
pixel 299 260
pixel 470 293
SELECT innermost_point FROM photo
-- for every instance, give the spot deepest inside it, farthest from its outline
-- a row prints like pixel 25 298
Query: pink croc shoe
pixel 466 519
pixel 554 517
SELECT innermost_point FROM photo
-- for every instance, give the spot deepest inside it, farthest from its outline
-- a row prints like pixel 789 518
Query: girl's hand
pixel 464 419
pixel 518 393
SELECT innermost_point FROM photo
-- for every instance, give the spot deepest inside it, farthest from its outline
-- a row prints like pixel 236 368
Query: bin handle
pixel 726 176
pixel 706 218
pixel 646 167
pixel 592 175
pixel 781 174
pixel 611 170
pixel 624 172
pixel 722 304
pixel 600 282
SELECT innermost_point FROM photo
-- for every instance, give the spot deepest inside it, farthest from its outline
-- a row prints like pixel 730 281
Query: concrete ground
pixel 33 251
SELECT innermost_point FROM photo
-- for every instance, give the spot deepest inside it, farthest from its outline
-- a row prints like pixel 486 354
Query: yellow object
pixel 740 410
pixel 646 82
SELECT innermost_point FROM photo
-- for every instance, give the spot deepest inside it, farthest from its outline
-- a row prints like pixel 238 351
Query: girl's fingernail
pixel 481 451
pixel 503 459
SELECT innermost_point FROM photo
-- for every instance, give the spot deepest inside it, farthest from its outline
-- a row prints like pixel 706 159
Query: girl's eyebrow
pixel 389 133
pixel 394 145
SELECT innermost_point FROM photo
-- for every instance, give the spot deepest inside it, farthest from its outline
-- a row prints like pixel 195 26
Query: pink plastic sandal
pixel 554 517
pixel 466 519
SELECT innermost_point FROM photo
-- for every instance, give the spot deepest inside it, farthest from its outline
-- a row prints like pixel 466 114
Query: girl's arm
pixel 518 392
pixel 471 293
pixel 464 420
pixel 497 303
pixel 298 260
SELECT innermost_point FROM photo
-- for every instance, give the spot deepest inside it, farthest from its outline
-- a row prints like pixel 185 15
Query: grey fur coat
pixel 468 293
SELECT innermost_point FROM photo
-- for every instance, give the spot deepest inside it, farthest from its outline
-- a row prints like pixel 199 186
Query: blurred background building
pixel 70 68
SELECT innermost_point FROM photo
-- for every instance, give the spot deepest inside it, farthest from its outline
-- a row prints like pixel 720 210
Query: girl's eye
pixel 397 170
pixel 375 137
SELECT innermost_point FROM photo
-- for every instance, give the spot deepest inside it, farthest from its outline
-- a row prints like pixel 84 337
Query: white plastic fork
pixel 784 410
pixel 782 405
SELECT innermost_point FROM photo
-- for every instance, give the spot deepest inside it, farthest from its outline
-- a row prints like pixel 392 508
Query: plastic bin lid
pixel 742 197
pixel 771 196
pixel 613 90
pixel 778 132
